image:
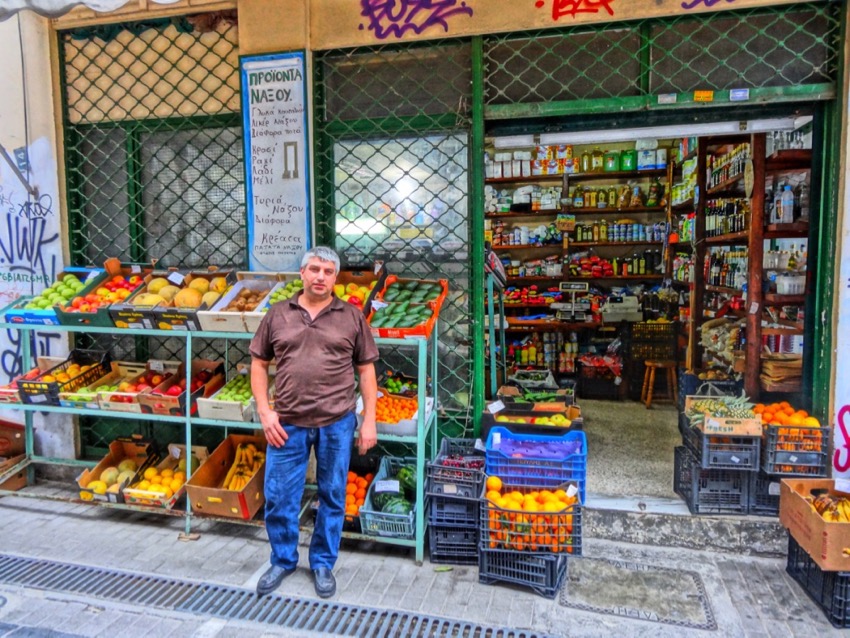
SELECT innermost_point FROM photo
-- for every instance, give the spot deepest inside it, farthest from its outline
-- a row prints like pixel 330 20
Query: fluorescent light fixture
pixel 665 132
pixel 514 141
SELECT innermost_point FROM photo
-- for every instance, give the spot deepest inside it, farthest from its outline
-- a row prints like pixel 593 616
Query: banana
pixel 230 473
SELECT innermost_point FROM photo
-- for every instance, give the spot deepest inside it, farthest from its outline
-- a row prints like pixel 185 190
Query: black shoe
pixel 325 582
pixel 272 579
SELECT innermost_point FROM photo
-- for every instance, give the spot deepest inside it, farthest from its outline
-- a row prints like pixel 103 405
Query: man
pixel 316 341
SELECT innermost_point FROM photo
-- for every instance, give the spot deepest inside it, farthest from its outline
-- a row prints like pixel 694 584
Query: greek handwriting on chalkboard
pixel 561 8
pixel 706 3
pixel 396 17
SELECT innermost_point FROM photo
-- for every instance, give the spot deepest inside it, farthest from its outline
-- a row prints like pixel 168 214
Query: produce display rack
pixel 425 427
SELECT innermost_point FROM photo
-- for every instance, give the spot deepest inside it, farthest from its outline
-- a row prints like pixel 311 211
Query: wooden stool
pixel 649 381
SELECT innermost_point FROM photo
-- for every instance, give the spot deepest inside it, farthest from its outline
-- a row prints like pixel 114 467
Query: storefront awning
pixel 55 8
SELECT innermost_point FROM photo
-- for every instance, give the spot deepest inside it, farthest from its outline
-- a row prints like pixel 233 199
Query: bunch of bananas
pixel 247 462
pixel 725 407
pixel 835 509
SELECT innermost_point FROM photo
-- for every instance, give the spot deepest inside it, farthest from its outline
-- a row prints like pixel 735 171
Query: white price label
pixel 157 366
pixel 496 407
pixel 735 459
pixel 572 490
pixel 176 453
pixel 176 278
pixel 773 488
pixel 842 485
pixel 793 458
pixel 479 445
pixel 387 485
pixel 497 439
pixel 450 489
pixel 377 304
pixel 135 269
pixel 754 308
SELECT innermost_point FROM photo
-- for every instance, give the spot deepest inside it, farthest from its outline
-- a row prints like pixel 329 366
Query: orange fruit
pixel 494 496
pixel 360 493
pixel 795 419
pixel 351 488
pixel 494 483
pixel 351 477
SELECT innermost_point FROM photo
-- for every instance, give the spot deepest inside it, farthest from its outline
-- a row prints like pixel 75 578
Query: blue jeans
pixel 286 469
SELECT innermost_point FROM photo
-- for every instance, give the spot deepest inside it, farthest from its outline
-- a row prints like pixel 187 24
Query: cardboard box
pixel 508 394
pixel 120 401
pixel 723 426
pixel 17 480
pixel 186 318
pixel 216 319
pixel 513 424
pixel 135 496
pixel 253 319
pixel 131 316
pixel 135 448
pixel 206 494
pixel 176 405
pixel 12 439
pixel 215 408
pixel 823 541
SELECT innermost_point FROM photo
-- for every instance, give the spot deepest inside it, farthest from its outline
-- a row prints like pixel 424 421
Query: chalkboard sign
pixel 274 110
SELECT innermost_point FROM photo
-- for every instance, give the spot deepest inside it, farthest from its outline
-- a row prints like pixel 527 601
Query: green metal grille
pixel 153 144
pixel 392 128
pixel 595 68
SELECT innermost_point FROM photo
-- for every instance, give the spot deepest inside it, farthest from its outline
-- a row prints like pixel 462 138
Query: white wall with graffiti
pixel 31 235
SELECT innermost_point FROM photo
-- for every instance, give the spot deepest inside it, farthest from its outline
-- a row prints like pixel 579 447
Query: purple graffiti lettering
pixel 396 17
pixel 844 446
pixel 706 3
pixel 561 8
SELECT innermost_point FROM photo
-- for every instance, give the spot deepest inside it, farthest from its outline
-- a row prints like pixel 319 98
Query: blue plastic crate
pixel 538 471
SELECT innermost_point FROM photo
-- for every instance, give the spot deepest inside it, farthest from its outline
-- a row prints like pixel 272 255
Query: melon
pixel 168 292
pixel 113 489
pixel 127 465
pixel 188 298
pixel 126 475
pixel 156 284
pixel 210 298
pixel 147 299
pixel 98 487
pixel 109 475
pixel 200 284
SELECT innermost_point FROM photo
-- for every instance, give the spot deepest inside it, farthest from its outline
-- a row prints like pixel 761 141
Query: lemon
pixel 150 473
pixel 168 473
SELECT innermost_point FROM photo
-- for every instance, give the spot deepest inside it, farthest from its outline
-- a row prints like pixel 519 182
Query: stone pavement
pixel 749 596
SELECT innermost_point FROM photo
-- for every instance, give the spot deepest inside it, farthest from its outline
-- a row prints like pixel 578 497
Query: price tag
pixel 793 458
pixel 667 98
pixel 773 488
pixel 496 407
pixel 497 439
pixel 739 95
pixel 135 269
pixel 156 365
pixel 703 96
pixel 388 485
pixel 572 490
pixel 754 308
pixel 735 459
pixel 176 278
pixel 450 489
pixel 176 452
pixel 842 485
pixel 479 445
pixel 377 304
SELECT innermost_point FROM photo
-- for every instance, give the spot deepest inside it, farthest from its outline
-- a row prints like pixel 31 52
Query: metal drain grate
pixel 233 603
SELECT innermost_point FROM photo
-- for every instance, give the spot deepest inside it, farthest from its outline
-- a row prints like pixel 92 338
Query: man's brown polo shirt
pixel 314 384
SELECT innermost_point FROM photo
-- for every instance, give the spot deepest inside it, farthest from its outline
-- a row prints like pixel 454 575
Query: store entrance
pixel 645 264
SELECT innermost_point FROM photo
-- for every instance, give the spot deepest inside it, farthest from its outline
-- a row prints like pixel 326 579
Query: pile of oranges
pixel 355 493
pixel 530 519
pixel 392 409
pixel 784 414
pixel 63 376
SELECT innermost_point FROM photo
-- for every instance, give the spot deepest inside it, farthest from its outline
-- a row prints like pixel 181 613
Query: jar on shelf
pixel 597 160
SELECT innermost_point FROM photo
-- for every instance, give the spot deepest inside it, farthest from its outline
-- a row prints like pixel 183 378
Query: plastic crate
pixel 601 387
pixel 709 491
pixel 523 531
pixel 643 332
pixel 40 392
pixel 763 495
pixel 640 352
pixel 453 544
pixel 455 481
pixel 543 573
pixel 375 523
pixel 538 472
pixel 796 450
pixel 723 452
pixel 830 590
pixel 691 385
pixel 449 510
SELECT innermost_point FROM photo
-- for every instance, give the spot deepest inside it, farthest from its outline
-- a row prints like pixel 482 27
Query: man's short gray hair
pixel 321 252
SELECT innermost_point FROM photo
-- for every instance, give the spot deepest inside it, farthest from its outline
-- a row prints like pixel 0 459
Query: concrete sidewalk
pixel 746 596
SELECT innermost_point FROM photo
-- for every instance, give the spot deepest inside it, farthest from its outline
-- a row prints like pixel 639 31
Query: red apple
pixel 141 387
pixel 174 391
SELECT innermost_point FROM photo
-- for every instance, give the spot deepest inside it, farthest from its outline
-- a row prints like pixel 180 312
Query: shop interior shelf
pixel 577 176
pixel 527 247
pixel 786 231
pixel 725 185
pixel 739 237
pixel 549 212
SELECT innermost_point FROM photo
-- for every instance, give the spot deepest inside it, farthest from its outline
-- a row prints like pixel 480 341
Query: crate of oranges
pixel 81 368
pixel 794 442
pixel 360 475
pixel 525 518
pixel 398 415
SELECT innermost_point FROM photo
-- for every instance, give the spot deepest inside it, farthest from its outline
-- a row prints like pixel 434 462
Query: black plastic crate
pixel 709 491
pixel 450 480
pixel 449 510
pixel 640 352
pixel 643 332
pixel 796 450
pixel 453 544
pixel 691 384
pixel 763 495
pixel 543 573
pixel 723 452
pixel 600 387
pixel 41 392
pixel 830 590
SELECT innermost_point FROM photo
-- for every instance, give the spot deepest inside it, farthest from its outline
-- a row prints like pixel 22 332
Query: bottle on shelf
pixel 802 200
pixel 787 205
pixel 597 160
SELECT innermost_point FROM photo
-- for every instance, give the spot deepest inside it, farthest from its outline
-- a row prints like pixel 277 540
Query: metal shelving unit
pixel 425 427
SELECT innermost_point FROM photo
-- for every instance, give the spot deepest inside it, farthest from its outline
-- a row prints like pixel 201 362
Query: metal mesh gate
pixel 153 145
pixel 391 153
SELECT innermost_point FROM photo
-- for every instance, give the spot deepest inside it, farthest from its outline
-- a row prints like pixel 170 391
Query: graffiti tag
pixel 25 235
pixel 11 359
pixel 571 8
pixel 842 449
pixel 396 17
pixel 706 3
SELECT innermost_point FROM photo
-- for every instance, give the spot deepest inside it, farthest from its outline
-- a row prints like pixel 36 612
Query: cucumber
pixel 393 321
pixel 411 285
pixel 391 294
pixel 404 295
